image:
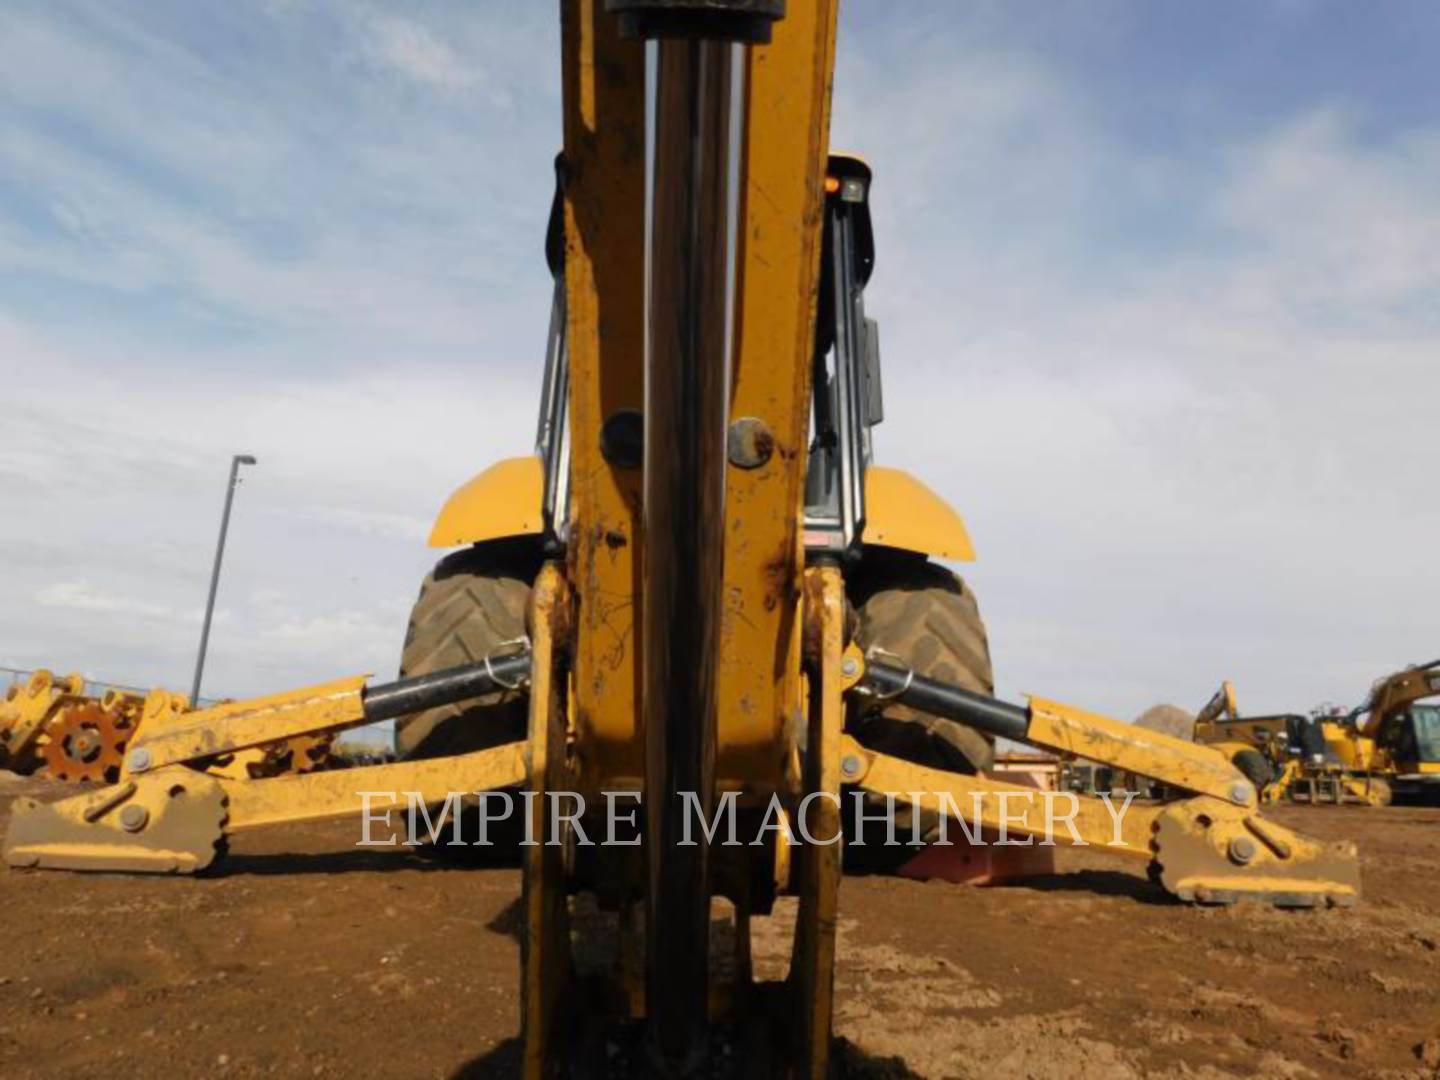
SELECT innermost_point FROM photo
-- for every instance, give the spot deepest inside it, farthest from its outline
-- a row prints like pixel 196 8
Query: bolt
pixel 1242 850
pixel 849 667
pixel 139 759
pixel 850 765
pixel 749 443
pixel 134 817
pixel 622 438
pixel 1241 792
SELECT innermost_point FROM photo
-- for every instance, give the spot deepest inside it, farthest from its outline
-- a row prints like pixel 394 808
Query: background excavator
pixel 700 592
pixel 1388 745
pixel 1390 736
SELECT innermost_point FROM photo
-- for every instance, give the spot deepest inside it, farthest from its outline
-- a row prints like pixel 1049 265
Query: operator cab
pixel 1415 737
pixel 846 399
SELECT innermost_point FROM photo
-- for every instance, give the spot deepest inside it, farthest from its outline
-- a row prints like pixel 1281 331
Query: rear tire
pixel 928 618
pixel 1256 768
pixel 474 601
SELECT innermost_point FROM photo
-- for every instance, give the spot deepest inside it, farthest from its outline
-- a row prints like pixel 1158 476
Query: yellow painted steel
pixel 236 725
pixel 1205 849
pixel 1178 762
pixel 1207 852
pixel 1394 693
pixel 1221 706
pixel 170 821
pixel 504 500
pixel 785 140
pixel 604 185
pixel 1353 750
pixel 818 865
pixel 326 795
pixel 545 950
pixel 987 802
pixel 28 709
pixel 901 512
pixel 182 814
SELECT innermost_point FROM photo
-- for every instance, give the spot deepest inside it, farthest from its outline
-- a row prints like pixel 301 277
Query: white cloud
pixel 404 527
pixel 1334 220
pixel 166 170
pixel 412 50
pixel 81 596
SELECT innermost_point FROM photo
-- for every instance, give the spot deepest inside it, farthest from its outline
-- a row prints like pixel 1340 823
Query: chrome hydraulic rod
pixel 686 414
pixel 987 714
pixel 420 692
pixel 1179 763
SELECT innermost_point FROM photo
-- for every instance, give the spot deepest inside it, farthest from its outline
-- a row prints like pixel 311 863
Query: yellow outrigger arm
pixel 1211 845
pixel 166 815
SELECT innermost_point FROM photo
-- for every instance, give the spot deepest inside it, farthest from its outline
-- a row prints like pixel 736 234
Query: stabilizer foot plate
pixel 1214 854
pixel 169 822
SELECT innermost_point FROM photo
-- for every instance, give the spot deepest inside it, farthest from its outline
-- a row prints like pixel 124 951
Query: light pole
pixel 235 463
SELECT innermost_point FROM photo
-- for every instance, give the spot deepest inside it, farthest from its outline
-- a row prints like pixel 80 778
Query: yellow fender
pixel 505 500
pixel 901 512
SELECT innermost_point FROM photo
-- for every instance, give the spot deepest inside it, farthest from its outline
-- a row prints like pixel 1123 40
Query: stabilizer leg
pixel 1201 849
pixel 545 949
pixel 176 820
pixel 812 967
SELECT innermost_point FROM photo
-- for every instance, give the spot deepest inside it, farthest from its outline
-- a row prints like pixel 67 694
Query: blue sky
pixel 1157 283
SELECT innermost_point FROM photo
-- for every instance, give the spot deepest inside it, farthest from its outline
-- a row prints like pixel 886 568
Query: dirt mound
pixel 1170 719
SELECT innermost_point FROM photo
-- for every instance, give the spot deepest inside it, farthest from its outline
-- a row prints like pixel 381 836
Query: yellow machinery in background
pixel 56 726
pixel 52 726
pixel 1336 757
pixel 28 709
pixel 717 601
pixel 1391 741
pixel 1268 750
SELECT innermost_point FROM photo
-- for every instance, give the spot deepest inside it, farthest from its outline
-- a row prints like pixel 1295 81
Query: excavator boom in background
pixel 1398 737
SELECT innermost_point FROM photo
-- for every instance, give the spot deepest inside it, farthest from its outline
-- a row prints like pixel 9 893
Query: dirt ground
pixel 292 962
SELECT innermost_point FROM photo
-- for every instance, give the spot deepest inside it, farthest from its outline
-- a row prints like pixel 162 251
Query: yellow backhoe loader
pixel 699 598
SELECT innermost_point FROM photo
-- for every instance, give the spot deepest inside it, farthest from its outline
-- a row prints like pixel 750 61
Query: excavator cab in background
pixel 1414 743
pixel 1394 736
